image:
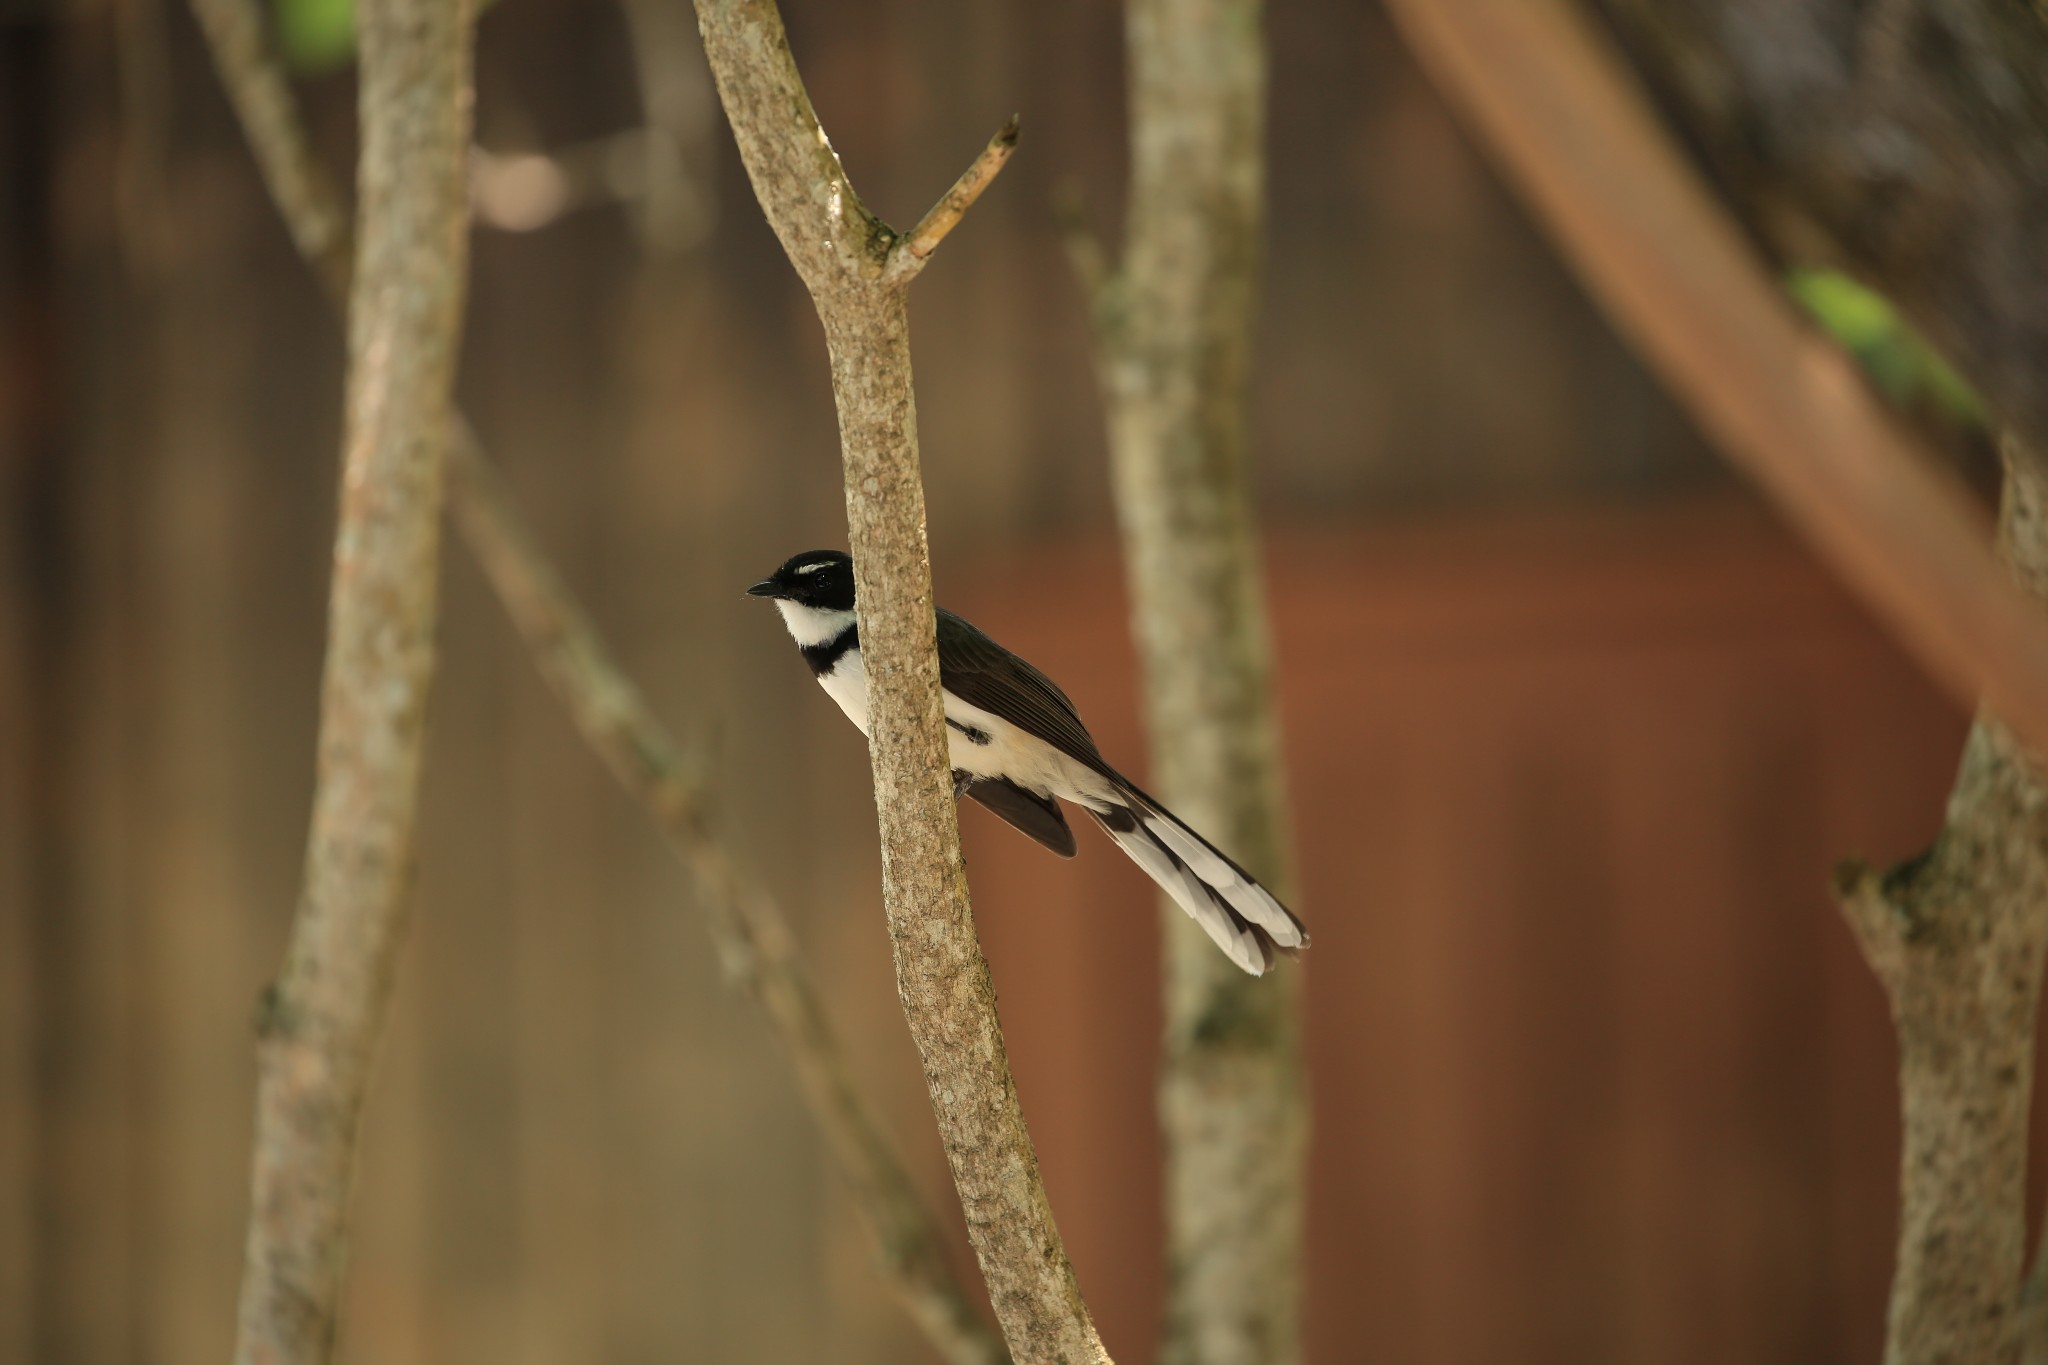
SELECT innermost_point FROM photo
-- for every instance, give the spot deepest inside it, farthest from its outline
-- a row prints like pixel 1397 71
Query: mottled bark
pixel 321 1020
pixel 746 926
pixel 1904 140
pixel 1555 106
pixel 1173 333
pixel 855 267
pixel 1957 936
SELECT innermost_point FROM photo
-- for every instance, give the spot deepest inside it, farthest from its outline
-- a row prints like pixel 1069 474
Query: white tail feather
pixel 1181 880
pixel 1245 896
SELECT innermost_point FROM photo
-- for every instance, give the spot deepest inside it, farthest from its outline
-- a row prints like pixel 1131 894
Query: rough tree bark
pixel 746 926
pixel 1957 936
pixel 856 268
pixel 1905 140
pixel 1173 333
pixel 321 1019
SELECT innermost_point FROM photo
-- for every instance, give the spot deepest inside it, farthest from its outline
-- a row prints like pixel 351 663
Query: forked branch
pixel 843 254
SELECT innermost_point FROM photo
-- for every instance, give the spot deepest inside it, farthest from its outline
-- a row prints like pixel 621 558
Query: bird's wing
pixel 1035 815
pixel 982 673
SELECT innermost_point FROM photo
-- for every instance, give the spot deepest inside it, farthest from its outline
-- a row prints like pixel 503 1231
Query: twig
pixel 614 717
pixel 1554 105
pixel 913 249
pixel 1173 328
pixel 842 253
pixel 322 1018
pixel 256 86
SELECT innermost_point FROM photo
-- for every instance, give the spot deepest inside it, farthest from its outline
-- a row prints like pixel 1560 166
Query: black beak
pixel 765 588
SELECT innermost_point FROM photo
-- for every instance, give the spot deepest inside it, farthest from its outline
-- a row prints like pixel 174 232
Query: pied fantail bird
pixel 1019 749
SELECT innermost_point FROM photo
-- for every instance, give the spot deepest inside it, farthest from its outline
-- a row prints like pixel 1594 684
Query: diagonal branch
pixel 322 1019
pixel 914 248
pixel 615 719
pixel 1560 115
pixel 842 254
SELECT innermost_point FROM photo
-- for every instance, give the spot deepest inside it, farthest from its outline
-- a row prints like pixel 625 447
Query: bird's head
pixel 819 579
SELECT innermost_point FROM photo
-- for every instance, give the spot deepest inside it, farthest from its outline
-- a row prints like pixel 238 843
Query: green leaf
pixel 317 35
pixel 1898 360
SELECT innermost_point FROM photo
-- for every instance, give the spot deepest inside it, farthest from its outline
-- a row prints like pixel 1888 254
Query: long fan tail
pixel 1246 921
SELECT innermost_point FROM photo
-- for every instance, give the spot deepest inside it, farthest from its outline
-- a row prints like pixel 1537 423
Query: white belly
pixel 1023 758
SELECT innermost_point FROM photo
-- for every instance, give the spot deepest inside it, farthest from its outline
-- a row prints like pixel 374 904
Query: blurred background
pixel 1574 730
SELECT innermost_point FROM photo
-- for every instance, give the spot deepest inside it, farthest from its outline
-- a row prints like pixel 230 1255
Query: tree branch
pixel 1957 937
pixel 322 1018
pixel 746 926
pixel 1555 107
pixel 912 250
pixel 1173 330
pixel 842 252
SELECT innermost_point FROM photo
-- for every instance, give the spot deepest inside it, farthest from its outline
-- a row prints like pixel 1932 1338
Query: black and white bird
pixel 1017 744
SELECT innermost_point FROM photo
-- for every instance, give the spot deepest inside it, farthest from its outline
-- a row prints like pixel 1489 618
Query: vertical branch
pixel 1957 937
pixel 1173 336
pixel 855 267
pixel 322 1018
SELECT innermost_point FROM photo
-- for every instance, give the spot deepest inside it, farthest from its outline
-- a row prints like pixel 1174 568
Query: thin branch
pixel 1087 259
pixel 1173 329
pixel 323 1017
pixel 842 253
pixel 745 924
pixel 913 249
pixel 1555 106
pixel 1876 919
pixel 255 83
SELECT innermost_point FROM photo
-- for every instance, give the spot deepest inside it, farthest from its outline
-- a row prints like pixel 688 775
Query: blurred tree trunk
pixel 1957 935
pixel 321 1021
pixel 1174 338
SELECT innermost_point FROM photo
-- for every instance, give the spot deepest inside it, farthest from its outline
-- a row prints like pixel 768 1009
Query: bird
pixel 1019 748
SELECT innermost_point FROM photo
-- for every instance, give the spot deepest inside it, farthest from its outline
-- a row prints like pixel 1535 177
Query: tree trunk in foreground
pixel 856 268
pixel 321 1021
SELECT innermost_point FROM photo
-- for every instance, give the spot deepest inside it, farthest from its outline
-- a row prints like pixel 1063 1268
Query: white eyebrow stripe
pixel 811 568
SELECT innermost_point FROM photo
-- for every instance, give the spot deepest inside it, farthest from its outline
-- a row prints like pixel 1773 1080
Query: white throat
pixel 812 625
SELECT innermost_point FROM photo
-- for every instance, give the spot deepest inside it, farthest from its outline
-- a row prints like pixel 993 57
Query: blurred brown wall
pixel 1596 1073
